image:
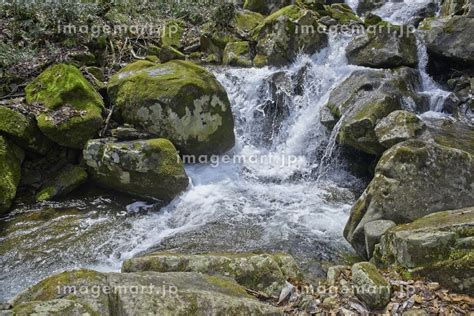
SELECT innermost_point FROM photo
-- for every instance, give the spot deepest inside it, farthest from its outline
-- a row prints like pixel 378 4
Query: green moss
pixel 73 107
pixel 168 53
pixel 172 33
pixel 10 170
pixel 246 21
pixel 230 286
pixel 62 183
pixel 23 131
pixel 177 100
pixel 342 13
pixel 237 54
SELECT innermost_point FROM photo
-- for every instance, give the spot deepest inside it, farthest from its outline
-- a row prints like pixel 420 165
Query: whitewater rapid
pixel 297 202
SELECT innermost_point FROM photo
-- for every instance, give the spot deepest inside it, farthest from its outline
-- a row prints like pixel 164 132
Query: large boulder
pixel 389 47
pixel 265 7
pixel 450 132
pixel 245 22
pixel 147 168
pixel 17 123
pixel 177 100
pixel 85 287
pixel 412 179
pixel 450 40
pixel 397 127
pixel 72 109
pixel 262 272
pixel 62 182
pixel 11 158
pixel 286 33
pixel 366 97
pixel 439 246
pixel 54 307
pixel 237 54
pixel 173 293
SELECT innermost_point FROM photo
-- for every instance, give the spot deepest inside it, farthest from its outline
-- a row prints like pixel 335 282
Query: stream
pixel 283 187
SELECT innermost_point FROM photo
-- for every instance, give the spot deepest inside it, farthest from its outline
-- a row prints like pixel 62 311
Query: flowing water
pixel 283 187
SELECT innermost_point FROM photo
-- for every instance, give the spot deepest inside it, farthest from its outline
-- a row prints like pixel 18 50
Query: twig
pixel 107 121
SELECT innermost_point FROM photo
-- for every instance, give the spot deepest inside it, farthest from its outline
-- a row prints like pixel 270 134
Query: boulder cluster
pixel 126 132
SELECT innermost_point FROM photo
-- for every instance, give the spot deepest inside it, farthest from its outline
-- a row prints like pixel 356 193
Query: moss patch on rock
pixel 73 109
pixel 11 158
pixel 178 100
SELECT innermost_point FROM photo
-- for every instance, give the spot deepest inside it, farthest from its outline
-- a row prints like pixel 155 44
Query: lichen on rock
pixel 178 100
pixel 147 168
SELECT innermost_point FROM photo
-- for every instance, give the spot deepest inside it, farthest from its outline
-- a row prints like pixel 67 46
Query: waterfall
pixel 283 187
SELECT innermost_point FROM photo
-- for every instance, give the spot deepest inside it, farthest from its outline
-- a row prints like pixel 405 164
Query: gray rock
pixel 285 34
pixel 62 182
pixel 397 127
pixel 366 97
pixel 177 100
pixel 450 38
pixel 83 286
pixel 412 179
pixel 172 293
pixel 457 7
pixel 263 272
pixel 373 232
pixel 147 168
pixel 18 123
pixel 450 132
pixel 334 272
pixel 54 307
pixel 388 47
pixel 371 286
pixel 438 246
pixel 178 293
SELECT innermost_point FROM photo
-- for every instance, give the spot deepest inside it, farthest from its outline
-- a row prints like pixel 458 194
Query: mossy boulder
pixel 388 47
pixel 72 108
pixel 265 7
pixel 173 293
pixel 11 158
pixel 245 22
pixel 397 127
pixel 237 54
pixel 167 53
pixel 341 13
pixel 450 132
pixel 147 168
pixel 371 286
pixel 178 100
pixel 262 272
pixel 412 179
pixel 172 33
pixel 365 98
pixel 85 287
pixel 54 307
pixel 62 182
pixel 286 33
pixel 448 38
pixel 439 246
pixel 214 39
pixel 20 126
pixel 185 293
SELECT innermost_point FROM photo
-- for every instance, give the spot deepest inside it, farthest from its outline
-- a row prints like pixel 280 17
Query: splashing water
pixel 266 198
